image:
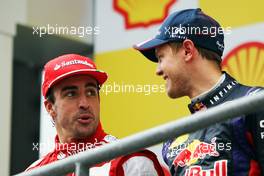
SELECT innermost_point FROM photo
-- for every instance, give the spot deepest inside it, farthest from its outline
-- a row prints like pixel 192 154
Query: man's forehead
pixel 160 48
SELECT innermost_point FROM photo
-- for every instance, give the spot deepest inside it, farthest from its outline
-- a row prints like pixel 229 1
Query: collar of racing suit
pixel 99 138
pixel 215 95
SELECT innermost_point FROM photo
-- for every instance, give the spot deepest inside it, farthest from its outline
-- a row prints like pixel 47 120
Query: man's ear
pixel 189 49
pixel 50 109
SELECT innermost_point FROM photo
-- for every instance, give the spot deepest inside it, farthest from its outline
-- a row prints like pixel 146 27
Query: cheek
pixel 175 68
pixel 165 66
pixel 169 68
pixel 96 108
pixel 64 111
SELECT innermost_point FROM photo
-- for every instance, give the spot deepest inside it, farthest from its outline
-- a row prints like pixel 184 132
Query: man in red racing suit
pixel 71 90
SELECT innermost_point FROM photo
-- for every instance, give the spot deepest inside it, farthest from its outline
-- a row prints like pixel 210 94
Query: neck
pixel 203 80
pixel 65 139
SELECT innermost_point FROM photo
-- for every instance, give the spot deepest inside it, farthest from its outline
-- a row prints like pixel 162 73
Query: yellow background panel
pixel 234 13
pixel 125 113
pixel 247 66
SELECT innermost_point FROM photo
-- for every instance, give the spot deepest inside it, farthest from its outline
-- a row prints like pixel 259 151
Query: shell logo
pixel 246 63
pixel 142 13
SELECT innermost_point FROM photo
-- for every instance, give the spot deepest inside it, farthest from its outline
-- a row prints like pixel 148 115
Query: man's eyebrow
pixel 68 88
pixel 91 85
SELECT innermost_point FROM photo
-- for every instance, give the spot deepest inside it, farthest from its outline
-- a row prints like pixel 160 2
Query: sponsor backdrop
pixel 134 98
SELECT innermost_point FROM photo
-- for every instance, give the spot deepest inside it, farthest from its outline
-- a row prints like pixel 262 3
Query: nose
pixel 83 102
pixel 159 71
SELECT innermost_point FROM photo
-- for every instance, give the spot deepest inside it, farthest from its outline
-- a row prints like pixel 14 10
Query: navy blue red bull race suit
pixel 234 147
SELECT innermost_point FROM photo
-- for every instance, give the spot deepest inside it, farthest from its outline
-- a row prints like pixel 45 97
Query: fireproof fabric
pixel 234 147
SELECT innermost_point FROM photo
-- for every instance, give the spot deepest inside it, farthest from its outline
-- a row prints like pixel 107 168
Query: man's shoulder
pixel 254 90
pixel 42 161
pixel 141 161
pixel 243 90
pixel 143 153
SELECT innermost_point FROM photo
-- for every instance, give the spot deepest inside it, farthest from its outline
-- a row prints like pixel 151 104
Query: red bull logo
pixel 182 158
pixel 201 150
pixel 220 169
pixel 204 149
pixel 199 106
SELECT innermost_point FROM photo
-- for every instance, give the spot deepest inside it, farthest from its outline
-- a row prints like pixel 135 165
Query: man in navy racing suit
pixel 188 50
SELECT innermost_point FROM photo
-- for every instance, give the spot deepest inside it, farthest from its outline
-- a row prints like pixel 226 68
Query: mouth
pixel 85 119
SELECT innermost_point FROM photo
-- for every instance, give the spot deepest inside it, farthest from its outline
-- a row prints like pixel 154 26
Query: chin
pixel 172 94
pixel 85 133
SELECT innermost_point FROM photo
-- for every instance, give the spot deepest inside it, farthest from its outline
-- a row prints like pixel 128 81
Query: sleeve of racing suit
pixel 139 166
pixel 257 128
pixel 141 163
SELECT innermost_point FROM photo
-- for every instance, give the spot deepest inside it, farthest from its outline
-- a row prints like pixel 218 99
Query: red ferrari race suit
pixel 142 163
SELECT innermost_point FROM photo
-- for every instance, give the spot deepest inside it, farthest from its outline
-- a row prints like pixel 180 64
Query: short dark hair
pixel 50 95
pixel 205 53
pixel 210 55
